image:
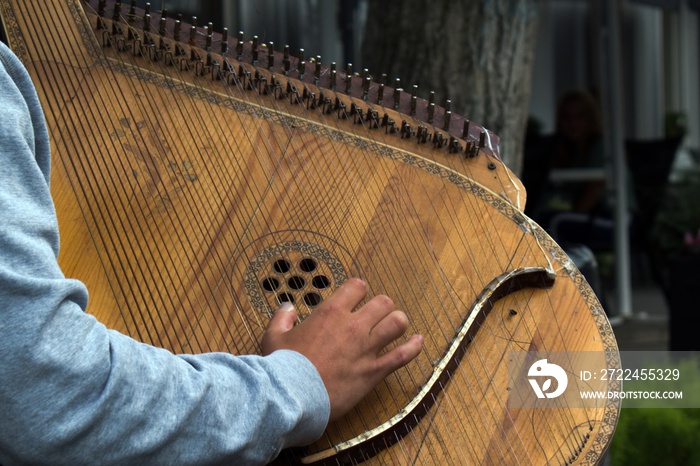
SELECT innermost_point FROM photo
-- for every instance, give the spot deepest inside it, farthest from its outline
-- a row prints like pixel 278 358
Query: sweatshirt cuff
pixel 306 387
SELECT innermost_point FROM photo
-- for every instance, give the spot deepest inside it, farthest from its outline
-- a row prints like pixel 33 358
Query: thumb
pixel 281 322
pixel 284 318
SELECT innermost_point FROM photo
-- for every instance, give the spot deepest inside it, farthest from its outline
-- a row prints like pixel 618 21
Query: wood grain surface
pixel 191 201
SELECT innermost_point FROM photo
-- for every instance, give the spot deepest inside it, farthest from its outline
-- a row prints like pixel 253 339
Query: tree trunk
pixel 478 53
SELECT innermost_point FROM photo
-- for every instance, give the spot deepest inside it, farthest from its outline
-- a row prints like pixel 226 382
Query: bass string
pixel 167 261
pixel 75 163
pixel 175 266
pixel 153 110
pixel 215 171
pixel 50 105
pixel 222 182
pixel 183 287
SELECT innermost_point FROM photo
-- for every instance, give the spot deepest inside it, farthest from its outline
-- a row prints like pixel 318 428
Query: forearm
pixel 95 395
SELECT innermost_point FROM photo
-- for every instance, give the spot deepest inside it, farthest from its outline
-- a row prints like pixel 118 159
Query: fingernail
pixel 286 306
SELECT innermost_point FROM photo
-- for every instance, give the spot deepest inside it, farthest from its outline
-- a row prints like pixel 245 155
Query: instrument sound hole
pixel 295 277
pixel 270 284
pixel 282 266
pixel 312 299
pixel 296 282
pixel 307 265
pixel 321 282
pixel 285 298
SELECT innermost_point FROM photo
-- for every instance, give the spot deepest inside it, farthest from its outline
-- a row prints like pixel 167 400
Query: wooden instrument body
pixel 188 206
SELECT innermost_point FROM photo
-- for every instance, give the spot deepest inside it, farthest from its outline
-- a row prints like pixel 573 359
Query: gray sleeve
pixel 74 392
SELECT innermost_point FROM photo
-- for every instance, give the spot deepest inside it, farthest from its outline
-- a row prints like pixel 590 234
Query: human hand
pixel 343 345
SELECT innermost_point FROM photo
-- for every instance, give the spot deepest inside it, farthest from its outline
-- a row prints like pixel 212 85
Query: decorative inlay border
pixel 263 258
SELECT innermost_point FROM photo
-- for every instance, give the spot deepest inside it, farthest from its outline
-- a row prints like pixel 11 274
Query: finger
pixel 283 319
pixel 376 310
pixel 400 356
pixel 391 327
pixel 347 296
pixel 281 322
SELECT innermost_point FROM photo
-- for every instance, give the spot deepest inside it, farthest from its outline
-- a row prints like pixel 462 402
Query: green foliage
pixel 661 436
pixel 676 124
pixel 657 436
pixel 677 227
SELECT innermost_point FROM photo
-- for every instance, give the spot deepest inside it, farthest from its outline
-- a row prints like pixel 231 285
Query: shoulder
pixel 20 108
